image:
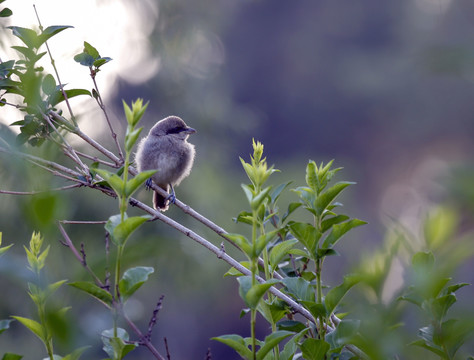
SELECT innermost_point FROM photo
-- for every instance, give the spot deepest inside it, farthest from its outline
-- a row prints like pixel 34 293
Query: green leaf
pixel 237 343
pixel 10 356
pixel 314 349
pixel 263 240
pixel 101 61
pixel 280 251
pixel 278 190
pixel 322 253
pixel 300 288
pixel 4 249
pixel 271 341
pixel 307 234
pixel 4 325
pixel 6 12
pixel 311 176
pixel 131 138
pixel 339 230
pixel 435 350
pixel 317 310
pixel 258 200
pixel 92 289
pixel 274 311
pixel 28 36
pixel 242 242
pixel 335 295
pixel 244 217
pixel 49 32
pixel 58 96
pixel 253 294
pixel 248 192
pixel 84 59
pixel 134 183
pixel 76 354
pixel 92 51
pixel 234 272
pixel 114 181
pixel 133 279
pixel 454 288
pixel 34 326
pixel 343 333
pixel 117 347
pixel 423 261
pixel 440 226
pixel 125 228
pixel 291 325
pixel 51 289
pixel 328 223
pixel 291 207
pixel 327 197
pixel 441 305
pixel 49 84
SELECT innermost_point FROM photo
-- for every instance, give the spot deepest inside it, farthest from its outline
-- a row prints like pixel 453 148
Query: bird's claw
pixel 148 184
pixel 171 197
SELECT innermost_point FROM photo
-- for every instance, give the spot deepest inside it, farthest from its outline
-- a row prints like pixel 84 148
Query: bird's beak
pixel 190 130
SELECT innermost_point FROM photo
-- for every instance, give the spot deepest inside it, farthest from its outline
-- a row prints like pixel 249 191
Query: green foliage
pixel 116 343
pixel 133 279
pixel 39 91
pixel 90 57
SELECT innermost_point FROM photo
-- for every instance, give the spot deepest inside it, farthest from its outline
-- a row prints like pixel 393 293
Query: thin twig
pixel 39 191
pixel 145 341
pixel 154 317
pixel 101 104
pixel 69 151
pixel 83 222
pixel 168 356
pixel 96 159
pixel 36 159
pixel 88 139
pixel 53 63
pixel 80 257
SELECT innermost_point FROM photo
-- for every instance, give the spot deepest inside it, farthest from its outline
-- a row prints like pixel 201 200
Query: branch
pixel 101 104
pixel 39 191
pixel 222 255
pixel 89 140
pixel 143 338
pixel 80 257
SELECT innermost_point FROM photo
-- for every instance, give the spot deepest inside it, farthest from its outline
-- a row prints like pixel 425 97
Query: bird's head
pixel 172 126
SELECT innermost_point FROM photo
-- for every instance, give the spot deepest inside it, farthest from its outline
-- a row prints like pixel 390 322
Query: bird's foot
pixel 171 197
pixel 148 184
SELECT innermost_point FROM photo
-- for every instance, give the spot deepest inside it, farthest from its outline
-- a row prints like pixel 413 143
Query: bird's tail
pixel 160 202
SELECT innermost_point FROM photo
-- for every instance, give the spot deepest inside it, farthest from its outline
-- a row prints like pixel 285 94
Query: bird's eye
pixel 175 130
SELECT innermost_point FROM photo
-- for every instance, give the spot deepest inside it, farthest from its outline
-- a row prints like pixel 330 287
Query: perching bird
pixel 166 150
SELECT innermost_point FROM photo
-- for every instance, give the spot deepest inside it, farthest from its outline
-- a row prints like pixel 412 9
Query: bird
pixel 166 150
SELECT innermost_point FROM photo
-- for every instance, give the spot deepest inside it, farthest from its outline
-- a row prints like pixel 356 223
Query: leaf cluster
pixel 39 91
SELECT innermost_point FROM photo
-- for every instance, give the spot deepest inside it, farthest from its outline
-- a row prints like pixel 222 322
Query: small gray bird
pixel 166 150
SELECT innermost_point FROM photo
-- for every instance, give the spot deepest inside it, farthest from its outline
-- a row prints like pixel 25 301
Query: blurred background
pixel 383 87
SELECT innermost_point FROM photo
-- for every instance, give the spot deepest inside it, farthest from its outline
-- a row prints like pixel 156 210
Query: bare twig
pixel 69 151
pixel 81 257
pixel 154 317
pixel 101 104
pixel 168 356
pixel 96 159
pixel 40 191
pixel 144 340
pixel 87 139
